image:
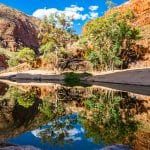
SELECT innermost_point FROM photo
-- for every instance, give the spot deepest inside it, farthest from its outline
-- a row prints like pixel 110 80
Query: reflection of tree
pixel 106 118
pixel 25 106
pixel 104 107
pixel 3 88
pixel 131 105
pixel 106 115
pixel 25 99
pixel 51 110
pixel 70 94
pixel 57 132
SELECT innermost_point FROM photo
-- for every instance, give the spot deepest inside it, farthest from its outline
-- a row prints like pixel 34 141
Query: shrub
pixel 72 79
pixel 26 55
pixel 13 61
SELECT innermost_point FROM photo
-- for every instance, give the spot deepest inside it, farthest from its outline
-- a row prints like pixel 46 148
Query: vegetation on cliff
pixel 109 37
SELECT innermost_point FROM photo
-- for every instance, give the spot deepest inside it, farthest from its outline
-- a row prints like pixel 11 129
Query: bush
pixel 13 61
pixel 26 55
pixel 72 79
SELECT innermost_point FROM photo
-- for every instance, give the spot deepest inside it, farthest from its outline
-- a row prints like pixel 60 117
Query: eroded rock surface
pixel 17 29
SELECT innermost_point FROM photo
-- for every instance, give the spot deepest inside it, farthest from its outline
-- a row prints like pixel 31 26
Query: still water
pixel 71 118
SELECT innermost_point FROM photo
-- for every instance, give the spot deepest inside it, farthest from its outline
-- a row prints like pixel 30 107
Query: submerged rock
pixel 19 148
pixel 117 147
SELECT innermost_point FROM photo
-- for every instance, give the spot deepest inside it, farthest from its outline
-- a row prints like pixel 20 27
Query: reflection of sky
pixel 76 134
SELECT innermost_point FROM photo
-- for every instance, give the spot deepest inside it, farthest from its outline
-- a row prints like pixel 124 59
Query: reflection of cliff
pixel 15 119
pixel 106 110
pixel 3 88
pixel 131 104
pixel 139 106
pixel 142 141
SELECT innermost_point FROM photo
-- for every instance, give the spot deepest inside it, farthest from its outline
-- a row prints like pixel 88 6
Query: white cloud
pixel 74 8
pixel 73 138
pixel 40 13
pixel 93 8
pixel 73 134
pixel 93 15
pixel 74 131
pixel 72 11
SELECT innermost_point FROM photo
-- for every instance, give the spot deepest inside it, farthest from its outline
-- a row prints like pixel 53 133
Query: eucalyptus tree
pixel 55 33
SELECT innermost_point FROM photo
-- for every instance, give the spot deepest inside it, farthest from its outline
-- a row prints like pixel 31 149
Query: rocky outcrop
pixel 3 62
pixel 117 147
pixel 19 148
pixel 17 29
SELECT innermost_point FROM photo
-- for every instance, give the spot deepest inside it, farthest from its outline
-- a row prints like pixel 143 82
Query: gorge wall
pixel 17 29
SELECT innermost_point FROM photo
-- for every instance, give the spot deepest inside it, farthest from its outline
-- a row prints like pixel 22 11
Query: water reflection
pixel 58 116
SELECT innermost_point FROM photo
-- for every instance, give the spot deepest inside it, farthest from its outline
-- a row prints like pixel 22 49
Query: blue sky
pixel 82 10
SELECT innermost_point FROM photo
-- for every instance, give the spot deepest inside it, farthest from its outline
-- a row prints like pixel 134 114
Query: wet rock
pixel 19 148
pixel 117 147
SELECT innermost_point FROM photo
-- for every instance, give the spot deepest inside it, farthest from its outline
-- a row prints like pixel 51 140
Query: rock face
pixel 3 62
pixel 117 147
pixel 17 29
pixel 19 148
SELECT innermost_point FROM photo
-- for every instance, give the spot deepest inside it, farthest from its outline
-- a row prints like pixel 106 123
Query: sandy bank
pixel 32 75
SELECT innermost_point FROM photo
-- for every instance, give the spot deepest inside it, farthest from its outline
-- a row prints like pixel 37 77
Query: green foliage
pixel 13 61
pixel 90 102
pixel 72 79
pixel 55 31
pixel 105 107
pixel 25 99
pixel 55 34
pixel 108 36
pixel 47 109
pixel 48 47
pixel 26 55
pixel 107 119
pixel 129 14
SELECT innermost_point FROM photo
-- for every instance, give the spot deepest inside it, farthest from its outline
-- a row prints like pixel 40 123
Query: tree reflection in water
pixel 105 115
pixel 107 120
pixel 58 131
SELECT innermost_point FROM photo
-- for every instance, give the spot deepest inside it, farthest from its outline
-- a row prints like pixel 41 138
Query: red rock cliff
pixel 17 29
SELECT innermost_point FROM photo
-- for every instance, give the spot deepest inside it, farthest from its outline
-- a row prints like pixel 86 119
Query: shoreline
pixel 129 77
